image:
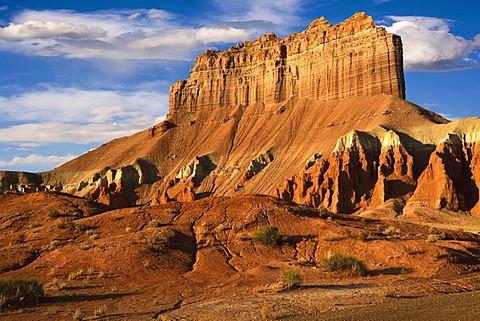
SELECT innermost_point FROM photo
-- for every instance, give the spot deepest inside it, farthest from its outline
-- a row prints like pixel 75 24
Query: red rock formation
pixel 359 176
pixel 448 181
pixel 354 58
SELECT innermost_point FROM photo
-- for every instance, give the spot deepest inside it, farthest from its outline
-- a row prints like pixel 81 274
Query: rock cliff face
pixel 20 181
pixel 324 62
pixel 317 118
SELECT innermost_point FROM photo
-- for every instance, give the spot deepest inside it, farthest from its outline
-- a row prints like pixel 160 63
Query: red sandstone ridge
pixel 324 62
pixel 318 117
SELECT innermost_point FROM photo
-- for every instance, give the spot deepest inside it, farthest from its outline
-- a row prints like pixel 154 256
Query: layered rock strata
pixel 324 62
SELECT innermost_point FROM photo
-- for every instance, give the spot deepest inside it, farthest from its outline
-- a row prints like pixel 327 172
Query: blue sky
pixel 76 74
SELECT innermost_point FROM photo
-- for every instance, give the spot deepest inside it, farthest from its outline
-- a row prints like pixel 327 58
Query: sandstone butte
pixel 318 118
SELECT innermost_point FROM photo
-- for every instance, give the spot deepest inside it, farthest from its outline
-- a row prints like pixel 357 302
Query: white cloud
pixel 36 159
pixel 113 34
pixel 429 45
pixel 79 116
pixel 30 145
pixel 56 132
pixel 49 29
pixel 78 105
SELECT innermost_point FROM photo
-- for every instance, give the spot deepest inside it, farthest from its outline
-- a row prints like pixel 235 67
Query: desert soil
pixel 197 261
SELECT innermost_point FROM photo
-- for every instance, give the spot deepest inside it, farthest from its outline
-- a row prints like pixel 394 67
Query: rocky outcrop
pixel 116 187
pixel 449 182
pixel 259 163
pixel 369 170
pixel 324 62
pixel 341 182
pixel 22 182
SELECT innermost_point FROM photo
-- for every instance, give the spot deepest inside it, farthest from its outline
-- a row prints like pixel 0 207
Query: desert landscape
pixel 291 180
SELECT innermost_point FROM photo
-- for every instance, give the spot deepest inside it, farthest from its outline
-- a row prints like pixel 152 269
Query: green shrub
pixel 160 241
pixel 436 235
pixel 21 290
pixel 339 262
pixel 72 226
pixel 268 235
pixel 291 279
pixel 53 213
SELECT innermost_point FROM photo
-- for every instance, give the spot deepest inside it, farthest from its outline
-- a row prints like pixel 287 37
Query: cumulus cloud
pixel 429 45
pixel 49 29
pixel 79 116
pixel 56 132
pixel 74 104
pixel 34 159
pixel 112 34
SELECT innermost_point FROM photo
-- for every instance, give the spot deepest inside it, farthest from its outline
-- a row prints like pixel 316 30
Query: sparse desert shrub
pixel 78 315
pixel 75 275
pixel 267 235
pixel 21 290
pixel 291 279
pixel 339 262
pixel 154 223
pixel 91 271
pixel 53 213
pixel 436 235
pixel 57 284
pixel 392 230
pixel 93 237
pixel 72 226
pixel 20 238
pixel 100 311
pixel 80 227
pixel 362 236
pixel 159 241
